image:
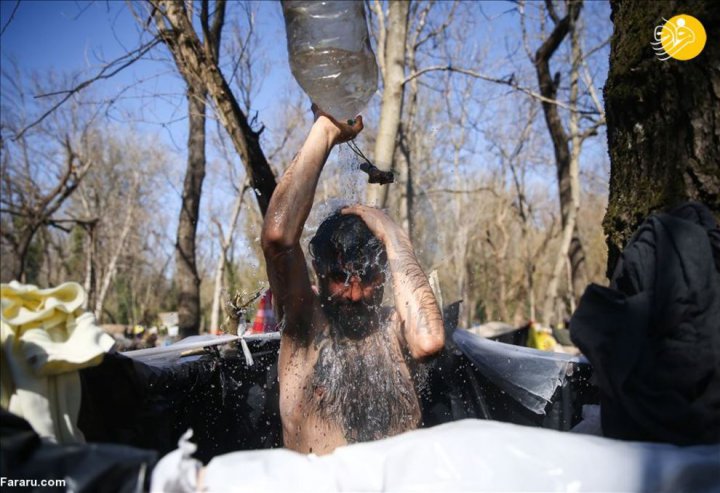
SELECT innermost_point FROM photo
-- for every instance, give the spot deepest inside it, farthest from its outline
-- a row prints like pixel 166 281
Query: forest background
pixel 490 113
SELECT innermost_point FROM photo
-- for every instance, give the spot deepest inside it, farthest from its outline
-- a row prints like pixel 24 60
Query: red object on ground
pixel 265 317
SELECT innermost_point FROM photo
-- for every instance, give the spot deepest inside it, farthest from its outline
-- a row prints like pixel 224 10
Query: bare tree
pixel 400 33
pixel 119 247
pixel 391 38
pixel 197 57
pixel 225 238
pixel 30 215
pixel 567 145
pixel 194 58
pixel 513 154
pixel 186 271
pixel 566 166
pixel 35 185
pixel 122 182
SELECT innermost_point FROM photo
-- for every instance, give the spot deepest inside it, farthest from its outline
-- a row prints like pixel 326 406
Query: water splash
pixel 351 181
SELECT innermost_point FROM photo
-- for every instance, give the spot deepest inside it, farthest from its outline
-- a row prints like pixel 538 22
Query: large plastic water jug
pixel 330 54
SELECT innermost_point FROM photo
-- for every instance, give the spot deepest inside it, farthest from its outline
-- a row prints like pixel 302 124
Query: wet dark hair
pixel 342 242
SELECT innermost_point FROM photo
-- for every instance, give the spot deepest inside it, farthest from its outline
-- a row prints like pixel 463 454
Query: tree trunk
pixel 393 86
pixel 578 276
pixel 469 298
pixel 565 160
pixel 89 283
pixel 186 274
pixel 217 294
pixel 663 119
pixel 119 248
pixel 22 252
pixel 225 242
pixel 403 203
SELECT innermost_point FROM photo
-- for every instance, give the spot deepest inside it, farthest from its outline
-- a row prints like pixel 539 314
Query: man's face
pixel 351 299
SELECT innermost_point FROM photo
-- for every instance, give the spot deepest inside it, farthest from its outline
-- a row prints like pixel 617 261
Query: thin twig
pixel 510 81
pixel 457 191
pixel 103 74
pixel 12 15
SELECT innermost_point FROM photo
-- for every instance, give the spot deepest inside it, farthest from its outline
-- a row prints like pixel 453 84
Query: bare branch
pixel 551 11
pixel 197 66
pixel 595 49
pixel 204 23
pixel 216 28
pixel 12 16
pixel 106 72
pixel 66 187
pixel 71 220
pixel 587 78
pixel 510 81
pixel 422 19
pixel 491 190
pixel 439 29
pixel 546 50
pixel 592 130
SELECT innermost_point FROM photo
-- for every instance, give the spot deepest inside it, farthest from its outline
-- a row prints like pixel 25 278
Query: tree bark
pixel 663 119
pixel 186 274
pixel 393 88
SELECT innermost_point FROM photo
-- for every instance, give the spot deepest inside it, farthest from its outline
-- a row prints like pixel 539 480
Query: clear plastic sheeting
pixel 167 355
pixel 529 376
pixel 474 455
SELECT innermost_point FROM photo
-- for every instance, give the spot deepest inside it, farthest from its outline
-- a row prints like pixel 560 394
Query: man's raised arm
pixel 286 215
pixel 415 303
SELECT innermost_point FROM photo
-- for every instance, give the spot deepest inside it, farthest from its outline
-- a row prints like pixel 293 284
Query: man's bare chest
pixel 362 387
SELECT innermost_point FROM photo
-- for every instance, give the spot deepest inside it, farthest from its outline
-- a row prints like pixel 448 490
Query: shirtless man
pixel 343 364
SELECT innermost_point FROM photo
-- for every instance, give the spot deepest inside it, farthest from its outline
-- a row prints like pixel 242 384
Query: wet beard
pixel 358 384
pixel 352 320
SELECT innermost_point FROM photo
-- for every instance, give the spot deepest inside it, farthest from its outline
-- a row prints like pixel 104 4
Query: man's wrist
pixel 329 129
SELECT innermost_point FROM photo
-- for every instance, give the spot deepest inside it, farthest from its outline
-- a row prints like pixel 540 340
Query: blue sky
pixel 79 37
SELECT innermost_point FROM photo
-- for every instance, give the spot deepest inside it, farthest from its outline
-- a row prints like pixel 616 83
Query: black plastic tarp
pixel 26 461
pixel 229 405
pixel 232 406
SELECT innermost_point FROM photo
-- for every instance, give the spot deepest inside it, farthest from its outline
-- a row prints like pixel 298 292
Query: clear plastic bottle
pixel 330 54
